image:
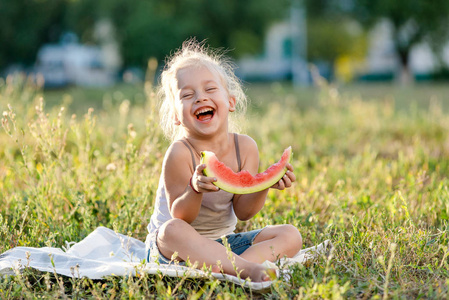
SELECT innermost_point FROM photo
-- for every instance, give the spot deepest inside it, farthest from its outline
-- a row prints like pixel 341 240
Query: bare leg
pixel 178 236
pixel 274 242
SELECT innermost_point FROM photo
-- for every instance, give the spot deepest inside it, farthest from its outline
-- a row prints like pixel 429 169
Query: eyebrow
pixel 209 81
pixel 203 82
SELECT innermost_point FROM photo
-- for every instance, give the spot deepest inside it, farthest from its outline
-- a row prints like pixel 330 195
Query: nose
pixel 201 96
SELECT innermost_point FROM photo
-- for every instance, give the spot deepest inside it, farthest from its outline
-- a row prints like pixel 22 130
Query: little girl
pixel 192 216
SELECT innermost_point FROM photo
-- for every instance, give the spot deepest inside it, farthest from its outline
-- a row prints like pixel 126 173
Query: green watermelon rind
pixel 208 157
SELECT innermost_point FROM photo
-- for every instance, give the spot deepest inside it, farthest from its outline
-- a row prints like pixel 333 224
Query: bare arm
pixel 184 203
pixel 248 205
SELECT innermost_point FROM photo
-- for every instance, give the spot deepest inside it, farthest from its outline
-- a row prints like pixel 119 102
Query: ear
pixel 232 102
pixel 176 121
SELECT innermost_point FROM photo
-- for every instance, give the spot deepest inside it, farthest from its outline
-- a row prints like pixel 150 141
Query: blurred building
pixel 70 62
pixel 275 62
pixel 380 63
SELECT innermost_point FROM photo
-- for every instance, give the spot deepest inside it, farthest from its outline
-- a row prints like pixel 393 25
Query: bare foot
pixel 215 269
pixel 255 272
pixel 259 273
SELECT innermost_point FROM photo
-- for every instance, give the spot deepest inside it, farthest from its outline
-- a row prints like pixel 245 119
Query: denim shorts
pixel 238 242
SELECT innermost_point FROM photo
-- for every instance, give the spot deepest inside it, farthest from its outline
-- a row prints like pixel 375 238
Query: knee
pixel 172 229
pixel 292 235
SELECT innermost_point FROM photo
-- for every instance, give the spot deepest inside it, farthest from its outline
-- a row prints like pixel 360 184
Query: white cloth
pixel 107 253
pixel 103 253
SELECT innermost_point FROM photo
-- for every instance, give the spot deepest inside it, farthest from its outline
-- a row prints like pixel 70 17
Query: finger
pixel 201 176
pixel 289 167
pixel 291 176
pixel 287 181
pixel 281 185
pixel 200 168
pixel 290 173
pixel 207 187
pixel 206 179
pixel 204 182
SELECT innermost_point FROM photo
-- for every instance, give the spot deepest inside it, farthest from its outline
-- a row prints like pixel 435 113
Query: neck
pixel 217 144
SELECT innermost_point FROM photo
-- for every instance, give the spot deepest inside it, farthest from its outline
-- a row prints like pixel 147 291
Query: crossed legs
pixel 274 242
pixel 271 243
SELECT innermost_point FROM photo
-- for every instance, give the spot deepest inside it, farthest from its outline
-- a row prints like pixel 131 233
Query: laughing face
pixel 202 101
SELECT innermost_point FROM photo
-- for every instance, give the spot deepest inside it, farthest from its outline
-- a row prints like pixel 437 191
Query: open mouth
pixel 205 113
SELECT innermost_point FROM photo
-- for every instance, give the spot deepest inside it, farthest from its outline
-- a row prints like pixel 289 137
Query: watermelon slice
pixel 243 182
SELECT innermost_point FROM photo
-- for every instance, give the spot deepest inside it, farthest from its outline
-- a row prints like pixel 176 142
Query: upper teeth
pixel 203 110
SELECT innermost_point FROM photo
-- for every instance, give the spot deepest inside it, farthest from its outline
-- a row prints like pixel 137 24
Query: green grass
pixel 371 162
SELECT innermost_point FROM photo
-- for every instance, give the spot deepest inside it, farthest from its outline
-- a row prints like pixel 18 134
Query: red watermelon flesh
pixel 243 182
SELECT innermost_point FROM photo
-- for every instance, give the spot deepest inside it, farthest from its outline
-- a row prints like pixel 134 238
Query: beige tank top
pixel 216 217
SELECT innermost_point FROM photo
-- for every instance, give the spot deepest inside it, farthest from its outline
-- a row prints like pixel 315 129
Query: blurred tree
pixel 413 21
pixel 144 28
pixel 25 25
pixel 331 33
pixel 329 39
pixel 154 28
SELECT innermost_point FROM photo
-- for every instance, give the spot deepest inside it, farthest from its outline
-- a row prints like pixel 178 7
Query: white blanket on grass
pixel 107 253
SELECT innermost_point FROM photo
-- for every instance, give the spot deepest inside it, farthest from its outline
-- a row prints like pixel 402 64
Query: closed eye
pixel 211 89
pixel 187 96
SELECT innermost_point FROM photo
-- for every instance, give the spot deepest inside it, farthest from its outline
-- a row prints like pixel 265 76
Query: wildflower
pixel 131 131
pixel 111 167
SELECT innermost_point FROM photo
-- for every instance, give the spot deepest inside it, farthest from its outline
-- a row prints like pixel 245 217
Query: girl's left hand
pixel 287 180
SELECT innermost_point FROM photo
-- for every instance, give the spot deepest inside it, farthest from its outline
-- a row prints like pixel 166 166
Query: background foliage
pixel 153 28
pixel 413 22
pixel 144 29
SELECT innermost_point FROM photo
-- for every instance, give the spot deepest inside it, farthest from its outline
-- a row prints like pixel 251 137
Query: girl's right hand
pixel 201 183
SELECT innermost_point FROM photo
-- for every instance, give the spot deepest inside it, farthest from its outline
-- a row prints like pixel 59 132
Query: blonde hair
pixel 193 53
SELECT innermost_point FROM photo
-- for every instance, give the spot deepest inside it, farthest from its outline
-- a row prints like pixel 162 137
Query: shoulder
pixel 177 148
pixel 176 154
pixel 249 153
pixel 246 143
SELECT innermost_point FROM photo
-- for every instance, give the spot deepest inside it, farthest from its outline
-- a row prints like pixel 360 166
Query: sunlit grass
pixel 372 177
